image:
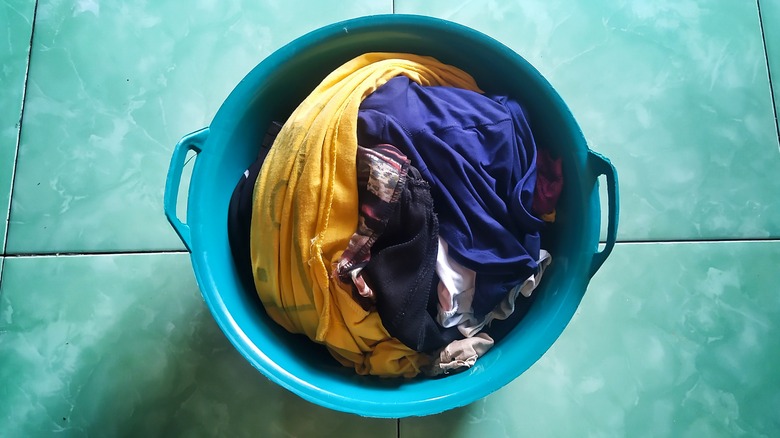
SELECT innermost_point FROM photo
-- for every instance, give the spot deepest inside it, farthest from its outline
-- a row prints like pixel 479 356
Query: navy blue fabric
pixel 240 210
pixel 479 156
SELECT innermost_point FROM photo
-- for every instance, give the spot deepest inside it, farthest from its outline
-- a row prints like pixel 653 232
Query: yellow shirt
pixel 306 208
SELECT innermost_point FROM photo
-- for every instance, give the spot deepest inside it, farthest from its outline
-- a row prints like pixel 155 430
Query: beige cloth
pixel 459 354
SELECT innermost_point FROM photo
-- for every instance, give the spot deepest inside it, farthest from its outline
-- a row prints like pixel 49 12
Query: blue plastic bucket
pixel 271 91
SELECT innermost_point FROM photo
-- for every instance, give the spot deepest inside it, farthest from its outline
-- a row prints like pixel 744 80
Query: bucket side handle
pixel 191 142
pixel 602 166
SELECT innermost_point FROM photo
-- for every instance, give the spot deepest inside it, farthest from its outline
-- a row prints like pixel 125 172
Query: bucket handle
pixel 191 142
pixel 602 166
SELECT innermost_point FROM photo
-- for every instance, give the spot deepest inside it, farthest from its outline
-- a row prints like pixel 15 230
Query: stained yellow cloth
pixel 306 208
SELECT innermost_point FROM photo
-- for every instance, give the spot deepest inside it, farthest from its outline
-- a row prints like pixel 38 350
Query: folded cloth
pixel 306 209
pixel 479 156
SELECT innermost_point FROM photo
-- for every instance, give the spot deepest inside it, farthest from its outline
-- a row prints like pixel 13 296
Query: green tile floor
pixel 770 13
pixel 102 329
pixel 16 17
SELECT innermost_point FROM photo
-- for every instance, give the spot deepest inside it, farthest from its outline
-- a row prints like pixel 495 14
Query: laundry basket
pixel 271 91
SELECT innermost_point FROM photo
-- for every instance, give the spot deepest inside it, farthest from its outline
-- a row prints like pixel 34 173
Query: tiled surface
pixel 687 350
pixel 16 18
pixel 770 14
pixel 675 93
pixel 670 340
pixel 123 346
pixel 675 339
pixel 101 119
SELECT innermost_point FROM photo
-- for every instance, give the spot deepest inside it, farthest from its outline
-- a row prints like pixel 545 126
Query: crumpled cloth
pixel 469 324
pixel 402 271
pixel 461 354
pixel 306 210
pixel 479 156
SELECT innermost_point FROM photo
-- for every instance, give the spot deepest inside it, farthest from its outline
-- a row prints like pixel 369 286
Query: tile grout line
pixel 18 143
pixel 694 241
pixel 183 251
pixel 19 129
pixel 94 253
pixel 768 70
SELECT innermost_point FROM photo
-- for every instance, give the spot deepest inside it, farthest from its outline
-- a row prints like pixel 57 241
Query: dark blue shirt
pixel 479 156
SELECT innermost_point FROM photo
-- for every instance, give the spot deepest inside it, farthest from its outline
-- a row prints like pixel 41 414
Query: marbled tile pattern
pixel 770 13
pixel 112 87
pixel 677 340
pixel 675 93
pixel 124 346
pixel 16 18
pixel 674 340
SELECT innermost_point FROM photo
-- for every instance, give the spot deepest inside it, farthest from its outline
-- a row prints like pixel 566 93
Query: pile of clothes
pixel 395 214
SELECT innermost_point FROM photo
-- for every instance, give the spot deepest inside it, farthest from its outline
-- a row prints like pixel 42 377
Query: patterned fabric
pixel 381 177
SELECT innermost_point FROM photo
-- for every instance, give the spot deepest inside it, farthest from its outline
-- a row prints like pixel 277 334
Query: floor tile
pixel 670 340
pixel 101 120
pixel 674 92
pixel 770 16
pixel 16 18
pixel 123 345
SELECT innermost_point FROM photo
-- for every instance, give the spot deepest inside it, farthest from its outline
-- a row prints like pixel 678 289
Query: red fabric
pixel 549 183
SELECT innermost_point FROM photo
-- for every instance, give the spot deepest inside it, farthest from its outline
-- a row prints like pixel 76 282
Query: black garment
pixel 240 210
pixel 402 271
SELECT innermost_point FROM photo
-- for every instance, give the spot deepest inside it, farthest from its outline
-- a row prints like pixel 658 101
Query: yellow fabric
pixel 306 208
pixel 549 217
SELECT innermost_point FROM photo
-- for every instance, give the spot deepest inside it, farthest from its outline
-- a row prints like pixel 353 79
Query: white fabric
pixel 456 287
